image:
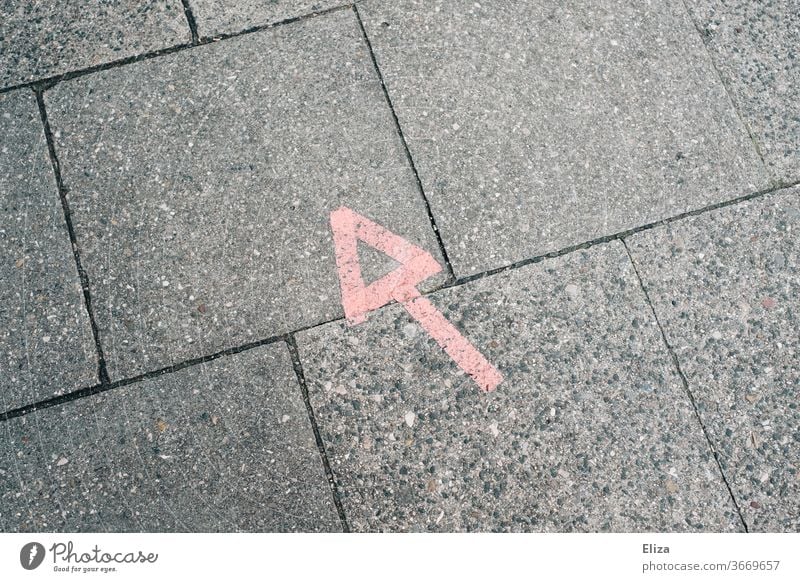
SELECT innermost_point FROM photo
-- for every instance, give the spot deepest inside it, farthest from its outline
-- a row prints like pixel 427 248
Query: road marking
pixel 400 285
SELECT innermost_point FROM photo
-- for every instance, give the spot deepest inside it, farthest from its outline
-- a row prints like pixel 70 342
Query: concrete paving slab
pixel 46 343
pixel 202 183
pixel 224 446
pixel 536 126
pixel 42 39
pixel 725 286
pixel 591 429
pixel 217 17
pixel 754 46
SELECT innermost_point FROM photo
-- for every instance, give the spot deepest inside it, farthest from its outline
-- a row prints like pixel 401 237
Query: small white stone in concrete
pixel 410 417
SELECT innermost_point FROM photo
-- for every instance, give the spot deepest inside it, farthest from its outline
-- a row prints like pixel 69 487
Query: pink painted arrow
pixel 400 285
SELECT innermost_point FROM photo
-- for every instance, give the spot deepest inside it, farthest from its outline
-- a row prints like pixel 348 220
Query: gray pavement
pixel 192 248
pixel 754 46
pixel 46 344
pixel 591 429
pixel 223 446
pixel 219 17
pixel 725 288
pixel 43 39
pixel 589 110
pixel 611 191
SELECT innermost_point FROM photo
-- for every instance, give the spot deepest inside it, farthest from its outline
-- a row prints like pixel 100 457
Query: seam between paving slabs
pixel 703 38
pixel 291 343
pixel 102 371
pixel 686 388
pixel 49 82
pixel 96 389
pixel 451 277
pixel 624 233
pixel 190 20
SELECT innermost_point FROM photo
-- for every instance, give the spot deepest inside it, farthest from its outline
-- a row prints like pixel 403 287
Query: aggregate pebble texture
pixel 46 344
pixel 215 17
pixel 536 126
pixel 42 39
pixel 591 429
pixel 725 287
pixel 224 446
pixel 650 383
pixel 755 47
pixel 201 184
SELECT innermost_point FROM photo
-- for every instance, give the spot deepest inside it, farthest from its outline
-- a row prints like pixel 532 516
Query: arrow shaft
pixel 465 355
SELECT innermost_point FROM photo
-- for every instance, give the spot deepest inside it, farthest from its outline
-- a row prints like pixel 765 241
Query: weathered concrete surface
pixel 46 344
pixel 591 429
pixel 725 286
pixel 42 39
pixel 201 185
pixel 754 46
pixel 224 446
pixel 536 126
pixel 215 17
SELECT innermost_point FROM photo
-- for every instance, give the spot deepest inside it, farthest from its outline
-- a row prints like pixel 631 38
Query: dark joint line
pixel 450 273
pixel 685 383
pixel 46 83
pixel 190 20
pixel 704 41
pixel 621 235
pixel 301 379
pixel 102 371
pixel 103 387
